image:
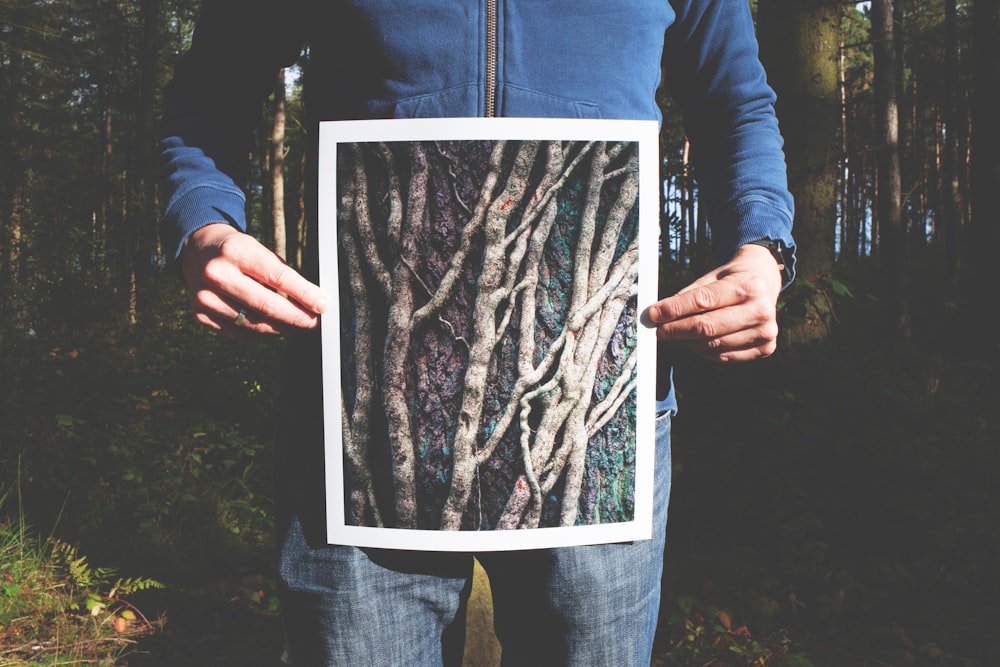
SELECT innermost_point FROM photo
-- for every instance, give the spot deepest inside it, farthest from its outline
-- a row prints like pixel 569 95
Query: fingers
pixel 266 268
pixel 746 344
pixel 695 299
pixel 218 314
pixel 733 334
pixel 728 291
pixel 240 288
pixel 729 315
pixel 226 277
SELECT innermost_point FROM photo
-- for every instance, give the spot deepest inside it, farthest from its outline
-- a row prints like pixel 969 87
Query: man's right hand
pixel 240 288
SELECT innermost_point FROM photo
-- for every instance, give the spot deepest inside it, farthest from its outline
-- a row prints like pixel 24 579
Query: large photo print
pixel 487 382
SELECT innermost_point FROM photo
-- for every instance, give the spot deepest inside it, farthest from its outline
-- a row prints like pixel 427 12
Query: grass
pixel 55 609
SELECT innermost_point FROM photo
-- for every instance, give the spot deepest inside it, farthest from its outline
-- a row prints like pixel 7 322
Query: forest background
pixel 834 505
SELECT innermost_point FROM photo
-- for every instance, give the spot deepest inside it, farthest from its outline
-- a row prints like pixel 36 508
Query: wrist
pixel 780 252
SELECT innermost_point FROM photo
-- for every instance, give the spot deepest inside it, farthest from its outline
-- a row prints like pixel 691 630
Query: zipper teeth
pixel 491 58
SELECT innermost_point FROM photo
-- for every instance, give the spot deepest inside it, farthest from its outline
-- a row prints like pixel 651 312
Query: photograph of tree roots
pixel 488 332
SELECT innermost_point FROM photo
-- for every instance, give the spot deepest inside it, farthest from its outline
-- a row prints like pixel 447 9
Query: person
pixel 588 605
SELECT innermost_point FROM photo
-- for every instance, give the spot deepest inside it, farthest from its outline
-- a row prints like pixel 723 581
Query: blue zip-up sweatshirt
pixel 529 58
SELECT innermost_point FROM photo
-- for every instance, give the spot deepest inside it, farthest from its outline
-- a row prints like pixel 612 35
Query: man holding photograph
pixel 587 605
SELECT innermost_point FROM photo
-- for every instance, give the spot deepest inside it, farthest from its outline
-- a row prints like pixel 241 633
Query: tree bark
pixel 278 168
pixel 889 193
pixel 848 230
pixel 11 169
pixel 986 167
pixel 951 215
pixel 799 47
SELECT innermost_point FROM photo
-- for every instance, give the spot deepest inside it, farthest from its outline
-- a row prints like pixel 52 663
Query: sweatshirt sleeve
pixel 211 107
pixel 712 70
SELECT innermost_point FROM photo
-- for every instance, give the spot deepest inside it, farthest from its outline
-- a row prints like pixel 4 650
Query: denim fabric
pixel 348 606
pixel 585 606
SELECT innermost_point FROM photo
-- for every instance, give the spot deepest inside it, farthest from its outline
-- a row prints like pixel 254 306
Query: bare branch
pixel 617 215
pixel 604 411
pixel 489 292
pixel 356 431
pixel 397 345
pixel 469 232
pixel 363 223
pixel 395 221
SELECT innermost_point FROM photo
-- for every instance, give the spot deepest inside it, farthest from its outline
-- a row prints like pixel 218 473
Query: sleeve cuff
pixel 750 221
pixel 198 207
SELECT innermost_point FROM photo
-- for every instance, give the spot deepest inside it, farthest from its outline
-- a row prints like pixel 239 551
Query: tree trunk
pixel 11 169
pixel 951 217
pixel 301 225
pixel 140 185
pixel 848 231
pixel 107 231
pixel 689 235
pixel 278 168
pixel 889 192
pixel 146 168
pixel 986 166
pixel 799 47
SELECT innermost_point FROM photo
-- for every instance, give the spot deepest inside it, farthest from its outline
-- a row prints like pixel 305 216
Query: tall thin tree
pixel 888 195
pixel 11 170
pixel 950 222
pixel 986 166
pixel 277 164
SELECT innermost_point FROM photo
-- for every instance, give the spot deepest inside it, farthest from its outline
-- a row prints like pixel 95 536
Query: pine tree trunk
pixel 12 172
pixel 889 192
pixel 278 168
pixel 144 193
pixel 301 225
pixel 848 231
pixel 986 166
pixel 800 49
pixel 951 219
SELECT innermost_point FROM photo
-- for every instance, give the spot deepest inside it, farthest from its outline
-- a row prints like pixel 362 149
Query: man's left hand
pixel 730 313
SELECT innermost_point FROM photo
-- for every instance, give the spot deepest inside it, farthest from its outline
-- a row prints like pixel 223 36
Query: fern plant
pixel 104 593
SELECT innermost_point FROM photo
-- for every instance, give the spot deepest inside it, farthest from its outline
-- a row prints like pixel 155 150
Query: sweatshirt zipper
pixel 491 58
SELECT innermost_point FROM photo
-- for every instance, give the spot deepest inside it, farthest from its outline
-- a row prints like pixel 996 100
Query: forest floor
pixel 828 509
pixel 833 506
pixel 838 503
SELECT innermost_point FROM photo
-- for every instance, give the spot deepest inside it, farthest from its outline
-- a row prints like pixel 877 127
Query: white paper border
pixel 645 133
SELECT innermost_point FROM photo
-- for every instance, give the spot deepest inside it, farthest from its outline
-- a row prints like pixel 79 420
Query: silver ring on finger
pixel 241 318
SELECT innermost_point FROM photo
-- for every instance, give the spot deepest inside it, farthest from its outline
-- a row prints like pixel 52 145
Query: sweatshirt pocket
pixel 527 103
pixel 514 101
pixel 457 102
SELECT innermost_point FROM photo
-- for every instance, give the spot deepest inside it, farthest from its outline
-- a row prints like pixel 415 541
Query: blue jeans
pixel 586 606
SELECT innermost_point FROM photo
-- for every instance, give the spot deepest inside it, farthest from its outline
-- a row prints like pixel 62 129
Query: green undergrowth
pixel 58 609
pixel 151 441
pixel 147 448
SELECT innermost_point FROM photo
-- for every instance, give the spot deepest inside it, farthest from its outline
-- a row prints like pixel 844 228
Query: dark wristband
pixel 779 251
